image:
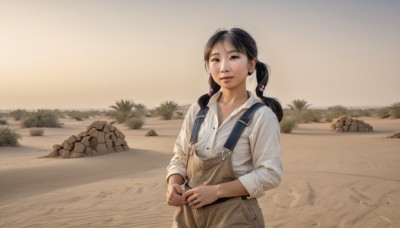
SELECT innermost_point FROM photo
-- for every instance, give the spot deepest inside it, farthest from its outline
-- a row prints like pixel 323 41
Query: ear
pixel 252 65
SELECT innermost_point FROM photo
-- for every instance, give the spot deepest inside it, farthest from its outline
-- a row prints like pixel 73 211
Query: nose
pixel 225 67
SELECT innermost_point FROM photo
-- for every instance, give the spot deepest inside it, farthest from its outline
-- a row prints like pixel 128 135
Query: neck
pixel 233 97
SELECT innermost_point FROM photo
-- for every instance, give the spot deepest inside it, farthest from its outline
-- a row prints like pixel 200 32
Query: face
pixel 229 67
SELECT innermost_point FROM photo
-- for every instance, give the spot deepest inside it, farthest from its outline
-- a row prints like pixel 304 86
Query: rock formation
pixel 345 124
pixel 99 138
pixel 396 135
pixel 152 133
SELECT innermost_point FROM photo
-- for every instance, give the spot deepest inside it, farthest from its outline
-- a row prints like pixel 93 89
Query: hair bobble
pixel 260 88
pixel 210 92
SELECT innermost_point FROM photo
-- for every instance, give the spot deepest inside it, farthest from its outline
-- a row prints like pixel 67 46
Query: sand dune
pixel 330 180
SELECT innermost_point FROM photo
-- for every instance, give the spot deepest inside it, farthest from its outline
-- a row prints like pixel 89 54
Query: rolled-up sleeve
pixel 178 161
pixel 266 157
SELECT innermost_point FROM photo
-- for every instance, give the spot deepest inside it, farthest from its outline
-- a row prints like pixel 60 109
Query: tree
pixel 299 105
pixel 123 109
pixel 167 109
pixel 140 110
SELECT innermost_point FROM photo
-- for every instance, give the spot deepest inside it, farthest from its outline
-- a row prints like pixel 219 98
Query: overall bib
pixel 224 212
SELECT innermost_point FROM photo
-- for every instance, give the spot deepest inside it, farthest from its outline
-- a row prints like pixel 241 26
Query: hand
pixel 200 196
pixel 174 195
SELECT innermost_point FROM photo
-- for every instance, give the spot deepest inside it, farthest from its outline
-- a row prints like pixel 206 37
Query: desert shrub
pixel 8 137
pixel 78 115
pixel 3 122
pixel 139 111
pixel 360 112
pixel 18 114
pixel 394 110
pixel 167 109
pixel 287 124
pixel 41 118
pixel 308 116
pixel 135 123
pixel 36 132
pixel 383 113
pixel 335 112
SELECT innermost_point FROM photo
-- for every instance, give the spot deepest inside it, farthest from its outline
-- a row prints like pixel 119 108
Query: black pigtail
pixel 214 87
pixel 262 81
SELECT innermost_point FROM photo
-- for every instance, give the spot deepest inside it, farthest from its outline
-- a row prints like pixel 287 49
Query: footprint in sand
pixel 139 189
pixel 299 194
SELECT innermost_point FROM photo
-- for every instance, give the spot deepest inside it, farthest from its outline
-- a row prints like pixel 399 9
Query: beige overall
pixel 225 212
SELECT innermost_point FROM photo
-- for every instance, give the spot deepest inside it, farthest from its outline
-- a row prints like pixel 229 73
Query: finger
pixel 177 189
pixel 188 193
pixel 197 204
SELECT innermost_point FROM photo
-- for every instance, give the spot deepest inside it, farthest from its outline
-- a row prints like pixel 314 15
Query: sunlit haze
pixel 88 54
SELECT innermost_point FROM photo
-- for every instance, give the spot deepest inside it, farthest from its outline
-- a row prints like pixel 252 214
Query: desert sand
pixel 330 179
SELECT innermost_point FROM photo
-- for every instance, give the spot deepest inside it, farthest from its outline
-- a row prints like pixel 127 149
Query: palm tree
pixel 123 109
pixel 167 109
pixel 140 110
pixel 299 105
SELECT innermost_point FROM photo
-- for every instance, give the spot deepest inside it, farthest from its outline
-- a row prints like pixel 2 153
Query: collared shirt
pixel 256 159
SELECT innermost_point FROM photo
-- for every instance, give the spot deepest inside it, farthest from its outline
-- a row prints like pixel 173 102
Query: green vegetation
pixel 139 111
pixel 335 112
pixel 287 124
pixel 77 115
pixel 123 109
pixel 36 132
pixel 40 118
pixel 8 137
pixel 298 105
pixel 394 110
pixel 308 116
pixel 135 123
pixel 167 109
pixel 383 113
pixel 18 114
pixel 3 122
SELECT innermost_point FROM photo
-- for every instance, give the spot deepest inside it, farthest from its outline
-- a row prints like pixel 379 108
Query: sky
pixel 87 54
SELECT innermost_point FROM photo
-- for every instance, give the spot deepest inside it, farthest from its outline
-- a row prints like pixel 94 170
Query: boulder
pixel 79 147
pixel 152 133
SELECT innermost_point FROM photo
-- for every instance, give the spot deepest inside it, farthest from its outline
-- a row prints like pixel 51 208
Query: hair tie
pixel 261 88
pixel 210 92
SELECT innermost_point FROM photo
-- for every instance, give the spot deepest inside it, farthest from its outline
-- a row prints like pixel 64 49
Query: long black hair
pixel 244 43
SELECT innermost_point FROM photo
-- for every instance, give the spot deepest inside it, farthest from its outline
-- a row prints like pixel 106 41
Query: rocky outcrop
pixel 152 133
pixel 99 138
pixel 396 135
pixel 346 124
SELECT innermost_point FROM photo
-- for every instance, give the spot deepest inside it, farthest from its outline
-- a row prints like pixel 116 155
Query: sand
pixel 330 179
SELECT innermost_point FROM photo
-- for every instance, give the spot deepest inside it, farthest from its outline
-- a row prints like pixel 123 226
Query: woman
pixel 228 152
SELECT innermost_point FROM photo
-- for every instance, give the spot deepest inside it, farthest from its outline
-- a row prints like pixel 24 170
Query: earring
pixel 249 73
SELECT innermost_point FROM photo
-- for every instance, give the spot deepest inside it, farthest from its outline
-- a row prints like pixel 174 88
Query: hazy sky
pixel 87 54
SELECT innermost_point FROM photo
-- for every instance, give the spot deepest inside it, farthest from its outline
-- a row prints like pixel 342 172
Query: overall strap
pixel 240 125
pixel 197 123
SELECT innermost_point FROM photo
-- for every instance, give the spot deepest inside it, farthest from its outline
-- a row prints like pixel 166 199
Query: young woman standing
pixel 228 151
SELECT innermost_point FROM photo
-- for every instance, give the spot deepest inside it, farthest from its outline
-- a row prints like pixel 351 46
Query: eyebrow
pixel 231 51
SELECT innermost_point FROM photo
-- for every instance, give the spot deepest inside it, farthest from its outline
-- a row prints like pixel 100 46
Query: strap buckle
pixel 225 154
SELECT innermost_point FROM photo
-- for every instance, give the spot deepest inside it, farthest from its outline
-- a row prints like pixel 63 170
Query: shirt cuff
pixel 182 172
pixel 251 183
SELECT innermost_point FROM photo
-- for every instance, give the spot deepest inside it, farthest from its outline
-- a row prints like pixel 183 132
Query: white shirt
pixel 256 159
